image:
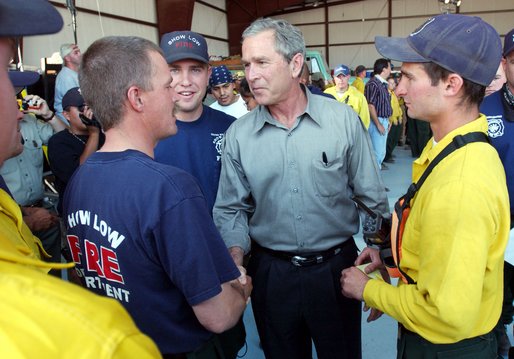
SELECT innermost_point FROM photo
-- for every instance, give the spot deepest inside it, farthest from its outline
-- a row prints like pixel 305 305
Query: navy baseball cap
pixel 508 44
pixel 220 75
pixel 341 69
pixel 28 17
pixel 181 45
pixel 73 98
pixel 463 44
pixel 23 78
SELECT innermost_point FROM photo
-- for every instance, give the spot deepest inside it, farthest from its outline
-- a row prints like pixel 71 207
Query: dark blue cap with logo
pixel 182 45
pixel 73 98
pixel 28 17
pixel 462 44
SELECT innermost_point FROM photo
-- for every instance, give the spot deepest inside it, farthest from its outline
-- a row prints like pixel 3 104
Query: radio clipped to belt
pixel 387 234
pixel 391 257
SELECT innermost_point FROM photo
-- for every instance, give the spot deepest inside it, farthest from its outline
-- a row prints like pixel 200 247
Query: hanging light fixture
pixel 449 6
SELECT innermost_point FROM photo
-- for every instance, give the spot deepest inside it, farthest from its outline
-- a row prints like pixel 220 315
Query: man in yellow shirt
pixel 349 95
pixel 42 316
pixel 360 74
pixel 455 236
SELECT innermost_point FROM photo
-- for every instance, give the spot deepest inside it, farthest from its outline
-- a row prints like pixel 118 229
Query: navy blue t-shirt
pixel 3 186
pixel 142 233
pixel 500 117
pixel 196 148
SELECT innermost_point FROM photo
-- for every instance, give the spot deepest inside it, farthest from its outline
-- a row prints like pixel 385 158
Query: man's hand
pixel 243 284
pixel 237 254
pixel 374 314
pixel 93 126
pixel 371 256
pixel 38 106
pixel 381 129
pixel 353 282
pixel 39 219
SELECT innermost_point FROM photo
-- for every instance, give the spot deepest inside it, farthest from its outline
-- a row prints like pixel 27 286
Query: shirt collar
pixel 312 111
pixel 432 149
pixel 379 78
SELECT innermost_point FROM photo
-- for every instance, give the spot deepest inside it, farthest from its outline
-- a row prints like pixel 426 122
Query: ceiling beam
pixel 174 15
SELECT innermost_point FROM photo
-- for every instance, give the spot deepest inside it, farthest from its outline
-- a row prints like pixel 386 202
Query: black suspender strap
pixel 457 142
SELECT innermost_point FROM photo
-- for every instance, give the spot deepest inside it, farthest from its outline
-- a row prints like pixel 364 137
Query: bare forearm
pixel 373 114
pixel 237 254
pixel 224 310
pixel 57 124
pixel 91 146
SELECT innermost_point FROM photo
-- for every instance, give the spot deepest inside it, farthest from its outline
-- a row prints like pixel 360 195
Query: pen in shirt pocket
pixel 324 159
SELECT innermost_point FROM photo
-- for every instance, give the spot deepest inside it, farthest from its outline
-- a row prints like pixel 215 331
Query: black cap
pixel 73 98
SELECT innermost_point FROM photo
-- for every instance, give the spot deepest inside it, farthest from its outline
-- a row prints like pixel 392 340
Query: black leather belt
pixel 304 259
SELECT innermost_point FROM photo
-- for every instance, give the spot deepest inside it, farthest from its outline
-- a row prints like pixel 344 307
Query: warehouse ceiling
pixel 240 13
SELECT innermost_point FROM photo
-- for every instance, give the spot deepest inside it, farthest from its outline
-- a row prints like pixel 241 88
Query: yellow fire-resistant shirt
pixel 355 99
pixel 45 317
pixel 396 117
pixel 359 84
pixel 453 245
pixel 16 239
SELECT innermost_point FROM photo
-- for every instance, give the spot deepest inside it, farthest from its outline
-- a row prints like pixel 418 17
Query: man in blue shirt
pixel 196 148
pixel 140 231
pixel 499 109
pixel 379 101
pixel 68 77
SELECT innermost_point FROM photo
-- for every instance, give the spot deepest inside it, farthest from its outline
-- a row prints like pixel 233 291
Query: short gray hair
pixel 289 39
pixel 109 67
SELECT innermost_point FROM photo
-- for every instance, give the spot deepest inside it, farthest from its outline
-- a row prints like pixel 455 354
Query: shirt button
pixel 299 218
pixel 289 134
pixel 292 163
pixel 295 190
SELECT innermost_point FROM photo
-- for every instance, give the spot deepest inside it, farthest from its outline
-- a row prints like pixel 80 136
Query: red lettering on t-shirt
pixel 111 266
pixel 73 243
pixel 92 258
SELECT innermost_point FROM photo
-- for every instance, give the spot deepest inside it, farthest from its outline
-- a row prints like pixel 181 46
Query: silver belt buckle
pixel 297 260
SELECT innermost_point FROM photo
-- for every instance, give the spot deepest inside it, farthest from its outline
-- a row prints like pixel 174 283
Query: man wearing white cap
pixel 454 221
pixel 68 77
